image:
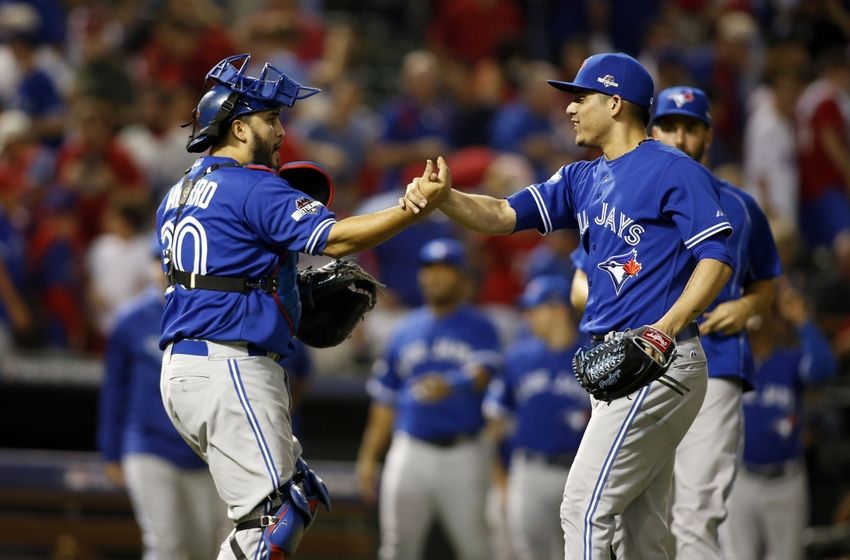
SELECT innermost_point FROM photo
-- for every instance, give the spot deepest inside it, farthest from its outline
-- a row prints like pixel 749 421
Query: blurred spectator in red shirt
pixel 823 117
pixel 501 259
pixel 55 269
pixel 187 36
pixel 94 167
pixel 470 30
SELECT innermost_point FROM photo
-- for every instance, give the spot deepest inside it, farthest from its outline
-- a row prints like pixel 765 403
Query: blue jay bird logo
pixel 681 97
pixel 621 268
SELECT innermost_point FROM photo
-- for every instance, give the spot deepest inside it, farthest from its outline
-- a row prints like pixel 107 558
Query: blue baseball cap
pixel 687 101
pixel 448 251
pixel 545 289
pixel 612 74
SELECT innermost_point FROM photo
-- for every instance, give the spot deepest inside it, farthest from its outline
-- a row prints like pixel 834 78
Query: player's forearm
pixel 358 233
pixel 481 213
pixel 706 281
pixel 376 438
pixel 758 296
pixel 579 291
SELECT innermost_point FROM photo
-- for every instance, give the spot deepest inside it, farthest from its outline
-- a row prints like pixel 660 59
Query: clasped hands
pixel 429 190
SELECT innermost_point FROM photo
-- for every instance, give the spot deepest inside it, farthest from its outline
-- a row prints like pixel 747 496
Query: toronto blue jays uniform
pixel 230 236
pixel 173 495
pixel 241 223
pixel 549 410
pixel 438 462
pixel 645 218
pixel 642 219
pixel 706 457
pixel 768 506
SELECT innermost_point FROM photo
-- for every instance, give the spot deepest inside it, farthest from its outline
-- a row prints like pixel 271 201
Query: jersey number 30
pixel 189 230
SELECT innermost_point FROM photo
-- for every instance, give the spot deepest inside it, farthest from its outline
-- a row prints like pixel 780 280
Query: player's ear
pixel 615 105
pixel 239 129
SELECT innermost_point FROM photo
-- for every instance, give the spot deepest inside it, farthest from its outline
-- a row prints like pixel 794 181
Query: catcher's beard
pixel 264 152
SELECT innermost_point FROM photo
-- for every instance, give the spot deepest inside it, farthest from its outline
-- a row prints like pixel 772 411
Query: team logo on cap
pixel 681 97
pixel 621 267
pixel 607 80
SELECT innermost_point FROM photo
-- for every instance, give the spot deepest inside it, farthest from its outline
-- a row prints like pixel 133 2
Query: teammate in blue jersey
pixel 231 231
pixel 539 403
pixel 655 235
pixel 706 457
pixel 173 496
pixel 768 506
pixel 427 391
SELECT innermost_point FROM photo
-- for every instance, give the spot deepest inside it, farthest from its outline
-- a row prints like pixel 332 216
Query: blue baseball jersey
pixel 239 222
pixel 754 257
pixel 539 391
pixel 640 217
pixel 132 417
pixel 772 411
pixel 424 343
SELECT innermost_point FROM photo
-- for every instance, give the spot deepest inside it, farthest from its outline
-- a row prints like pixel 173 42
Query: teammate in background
pixel 768 506
pixel 230 232
pixel 655 236
pixel 542 410
pixel 706 457
pixel 427 392
pixel 173 496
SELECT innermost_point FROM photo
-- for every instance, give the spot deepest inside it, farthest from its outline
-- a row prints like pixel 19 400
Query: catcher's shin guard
pixel 282 531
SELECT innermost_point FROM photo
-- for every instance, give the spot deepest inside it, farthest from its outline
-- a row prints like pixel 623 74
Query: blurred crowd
pixel 93 94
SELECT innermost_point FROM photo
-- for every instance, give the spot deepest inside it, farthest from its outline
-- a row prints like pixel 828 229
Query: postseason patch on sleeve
pixel 304 206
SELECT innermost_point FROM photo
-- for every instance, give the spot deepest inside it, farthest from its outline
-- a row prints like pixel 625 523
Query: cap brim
pixel 679 112
pixel 569 87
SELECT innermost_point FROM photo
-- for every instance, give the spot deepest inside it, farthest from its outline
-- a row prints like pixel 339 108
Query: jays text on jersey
pixel 633 214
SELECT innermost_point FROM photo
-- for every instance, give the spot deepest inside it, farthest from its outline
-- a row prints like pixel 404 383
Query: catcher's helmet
pixel 234 94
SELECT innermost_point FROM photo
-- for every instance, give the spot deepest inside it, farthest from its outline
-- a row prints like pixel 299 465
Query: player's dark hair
pixel 638 113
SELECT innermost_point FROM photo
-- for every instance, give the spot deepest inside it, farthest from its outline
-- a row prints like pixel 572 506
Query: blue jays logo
pixel 621 268
pixel 682 96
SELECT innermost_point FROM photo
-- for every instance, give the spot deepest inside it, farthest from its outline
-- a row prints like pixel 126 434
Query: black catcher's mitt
pixel 333 299
pixel 624 363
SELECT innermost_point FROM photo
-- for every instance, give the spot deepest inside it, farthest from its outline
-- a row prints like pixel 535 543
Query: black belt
pixel 448 441
pixel 771 470
pixel 194 347
pixel 561 460
pixel 687 333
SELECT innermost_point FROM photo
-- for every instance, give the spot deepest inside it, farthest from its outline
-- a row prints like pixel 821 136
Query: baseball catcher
pixel 626 361
pixel 333 300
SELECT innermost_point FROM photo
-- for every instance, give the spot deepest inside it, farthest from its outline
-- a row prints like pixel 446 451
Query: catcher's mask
pixel 233 94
